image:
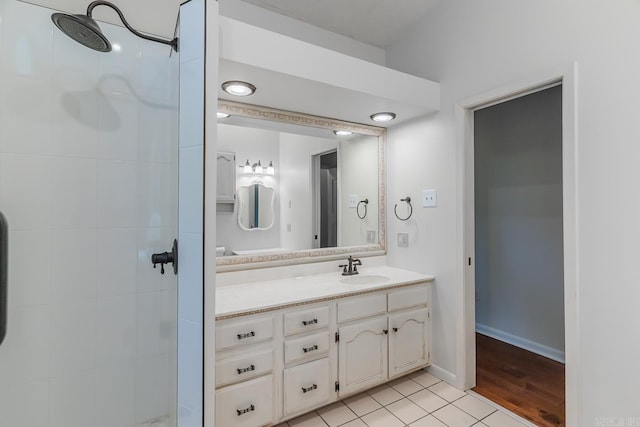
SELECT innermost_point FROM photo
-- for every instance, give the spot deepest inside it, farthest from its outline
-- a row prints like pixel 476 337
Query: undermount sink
pixel 364 279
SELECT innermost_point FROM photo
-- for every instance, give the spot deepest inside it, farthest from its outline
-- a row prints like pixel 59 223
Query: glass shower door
pixel 88 186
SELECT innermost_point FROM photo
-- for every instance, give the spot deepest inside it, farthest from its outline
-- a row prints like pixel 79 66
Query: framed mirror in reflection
pixel 324 200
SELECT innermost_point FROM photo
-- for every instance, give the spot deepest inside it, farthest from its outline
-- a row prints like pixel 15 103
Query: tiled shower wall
pixel 88 173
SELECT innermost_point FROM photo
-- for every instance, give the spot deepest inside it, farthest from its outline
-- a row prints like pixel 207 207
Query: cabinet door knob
pixel 395 329
pixel 386 331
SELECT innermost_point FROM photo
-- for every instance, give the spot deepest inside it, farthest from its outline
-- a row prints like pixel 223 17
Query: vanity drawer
pixel 306 347
pixel 248 404
pixel 235 333
pixel 411 297
pixel 307 386
pixel 360 307
pixel 245 367
pixel 306 320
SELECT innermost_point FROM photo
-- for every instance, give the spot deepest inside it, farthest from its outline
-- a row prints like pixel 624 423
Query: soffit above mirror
pixel 297 76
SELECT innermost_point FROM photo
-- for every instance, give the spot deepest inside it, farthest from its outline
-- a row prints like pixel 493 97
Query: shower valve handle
pixel 163 258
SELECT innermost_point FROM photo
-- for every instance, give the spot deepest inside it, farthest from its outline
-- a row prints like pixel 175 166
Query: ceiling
pixel 375 22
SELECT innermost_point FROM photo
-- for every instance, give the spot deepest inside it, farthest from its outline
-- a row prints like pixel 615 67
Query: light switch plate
pixel 403 240
pixel 429 198
pixel 353 200
pixel 371 236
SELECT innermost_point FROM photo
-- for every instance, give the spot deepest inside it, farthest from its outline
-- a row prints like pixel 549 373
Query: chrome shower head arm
pixel 173 43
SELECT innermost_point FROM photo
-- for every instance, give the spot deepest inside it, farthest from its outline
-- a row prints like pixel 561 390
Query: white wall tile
pixel 75 188
pixel 73 338
pixel 26 202
pixel 73 400
pixel 24 355
pixel 117 194
pixel 158 131
pixel 152 387
pixel 191 292
pixel 26 114
pixel 29 267
pixel 190 368
pixel 115 396
pixel 73 265
pixel 157 73
pixel 116 328
pixel 191 190
pixel 25 405
pixel 118 70
pixel 156 195
pixel 192 103
pixel 191 31
pixel 27 39
pixel 156 324
pixel 117 255
pixel 118 127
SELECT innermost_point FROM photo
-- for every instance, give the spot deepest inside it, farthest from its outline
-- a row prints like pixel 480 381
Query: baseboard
pixel 443 374
pixel 534 347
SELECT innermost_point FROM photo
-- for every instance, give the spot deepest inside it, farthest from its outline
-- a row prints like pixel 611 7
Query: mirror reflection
pixel 298 188
pixel 255 207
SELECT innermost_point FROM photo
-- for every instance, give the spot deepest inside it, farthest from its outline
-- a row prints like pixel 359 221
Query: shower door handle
pixel 4 249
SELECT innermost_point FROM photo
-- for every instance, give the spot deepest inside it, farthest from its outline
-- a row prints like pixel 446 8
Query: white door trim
pixel 465 244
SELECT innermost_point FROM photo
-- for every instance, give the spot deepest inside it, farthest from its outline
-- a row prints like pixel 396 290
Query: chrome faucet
pixel 351 268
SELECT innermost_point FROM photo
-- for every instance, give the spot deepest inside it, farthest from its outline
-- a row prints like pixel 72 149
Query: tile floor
pixel 417 400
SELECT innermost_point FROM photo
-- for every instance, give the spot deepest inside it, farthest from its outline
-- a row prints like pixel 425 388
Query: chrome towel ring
pixel 395 211
pixel 366 202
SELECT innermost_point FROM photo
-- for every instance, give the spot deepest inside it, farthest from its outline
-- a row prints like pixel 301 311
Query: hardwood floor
pixel 527 384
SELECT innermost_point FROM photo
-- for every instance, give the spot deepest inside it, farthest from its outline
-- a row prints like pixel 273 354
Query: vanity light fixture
pixel 342 132
pixel 383 117
pixel 258 169
pixel 238 88
pixel 222 115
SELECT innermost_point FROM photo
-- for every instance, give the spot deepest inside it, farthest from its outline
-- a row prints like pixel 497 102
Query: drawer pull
pixel 247 335
pixel 309 322
pixel 244 411
pixel 248 369
pixel 308 389
pixel 308 349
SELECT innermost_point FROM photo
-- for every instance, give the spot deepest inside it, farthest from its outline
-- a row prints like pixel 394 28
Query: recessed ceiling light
pixel 342 132
pixel 383 117
pixel 222 115
pixel 238 88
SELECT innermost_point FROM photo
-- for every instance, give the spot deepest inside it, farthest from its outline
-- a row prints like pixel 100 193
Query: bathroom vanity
pixel 287 346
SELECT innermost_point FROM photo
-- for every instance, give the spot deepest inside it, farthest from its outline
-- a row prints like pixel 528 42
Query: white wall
pixel 518 222
pixel 252 144
pixel 88 173
pixel 472 47
pixel 358 174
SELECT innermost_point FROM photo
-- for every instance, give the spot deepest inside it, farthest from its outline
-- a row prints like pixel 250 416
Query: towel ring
pixel 408 200
pixel 366 202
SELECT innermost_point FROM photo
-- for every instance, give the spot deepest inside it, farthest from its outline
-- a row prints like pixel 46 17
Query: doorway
pixel 326 199
pixel 518 251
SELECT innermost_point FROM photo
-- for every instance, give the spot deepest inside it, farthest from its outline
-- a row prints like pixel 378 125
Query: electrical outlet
pixel 371 236
pixel 429 198
pixel 353 200
pixel 403 240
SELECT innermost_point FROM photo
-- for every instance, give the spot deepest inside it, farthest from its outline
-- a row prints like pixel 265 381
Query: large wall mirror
pixel 307 188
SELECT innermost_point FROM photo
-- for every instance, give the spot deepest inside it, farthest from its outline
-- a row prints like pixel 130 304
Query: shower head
pixel 85 30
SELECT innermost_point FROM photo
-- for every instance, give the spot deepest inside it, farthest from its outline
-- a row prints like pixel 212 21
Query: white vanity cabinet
pixel 274 366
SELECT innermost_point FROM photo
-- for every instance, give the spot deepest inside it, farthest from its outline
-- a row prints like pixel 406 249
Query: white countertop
pixel 246 298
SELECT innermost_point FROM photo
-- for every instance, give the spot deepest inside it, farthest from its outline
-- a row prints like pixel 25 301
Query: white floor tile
pixel 406 386
pixel 428 401
pixel 406 410
pixel 385 394
pixel 428 421
pixel 355 423
pixel 336 414
pixel 362 404
pixel 447 392
pixel 311 419
pixel 500 419
pixel 474 406
pixel 425 379
pixel 382 418
pixel 480 425
pixel 454 417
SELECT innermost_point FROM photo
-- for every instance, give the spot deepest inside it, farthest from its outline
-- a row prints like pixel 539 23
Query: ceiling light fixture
pixel 383 117
pixel 238 88
pixel 222 115
pixel 342 132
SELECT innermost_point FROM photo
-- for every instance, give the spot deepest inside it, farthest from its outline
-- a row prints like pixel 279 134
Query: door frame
pixel 315 197
pixel 465 243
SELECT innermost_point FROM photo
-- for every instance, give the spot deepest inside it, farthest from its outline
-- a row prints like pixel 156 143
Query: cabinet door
pixel 248 404
pixel 307 386
pixel 362 355
pixel 409 338
pixel 226 163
